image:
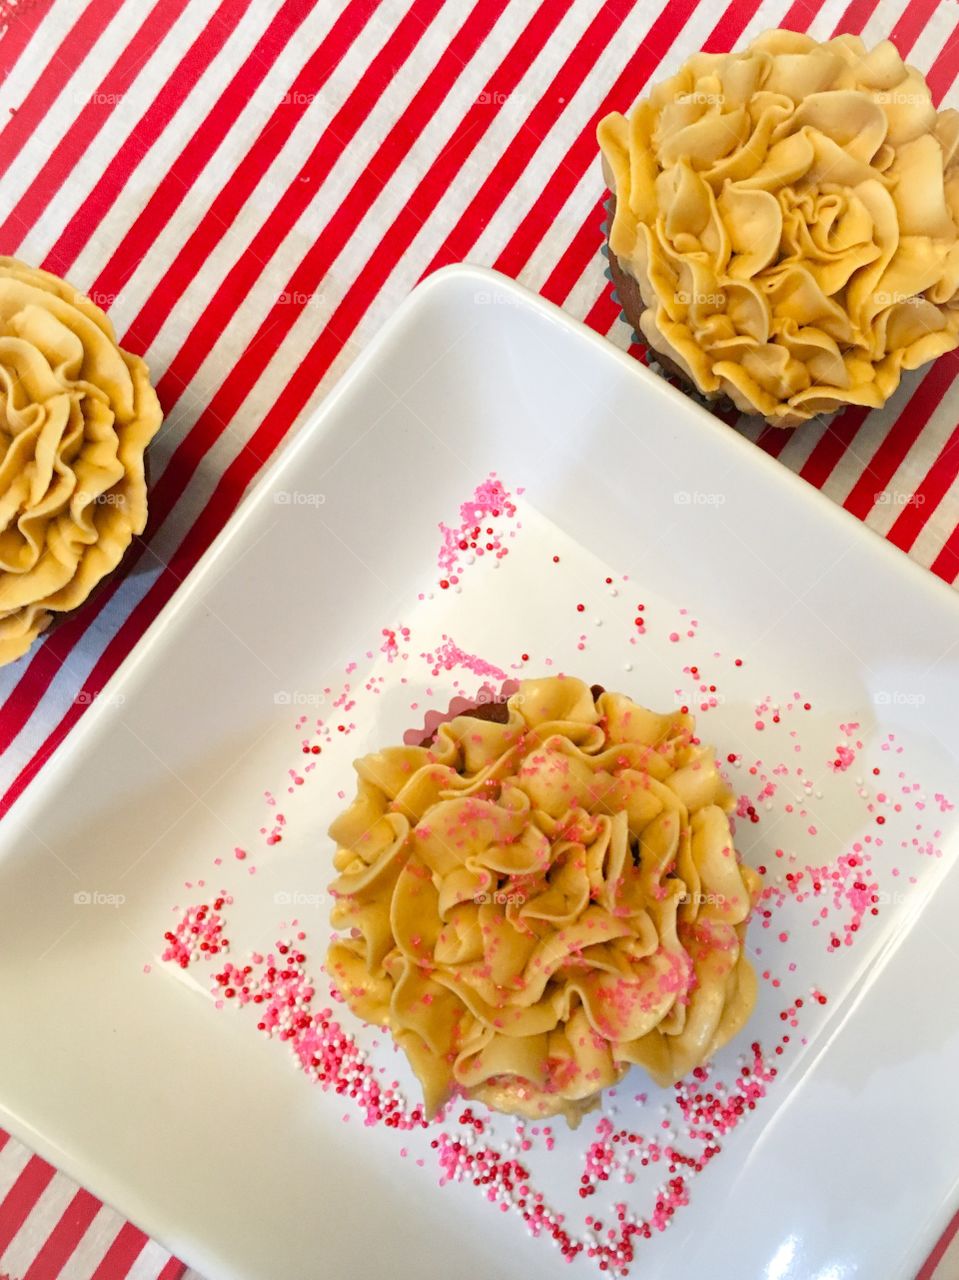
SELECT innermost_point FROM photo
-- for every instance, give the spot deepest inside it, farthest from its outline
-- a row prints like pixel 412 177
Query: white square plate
pixel 192 1123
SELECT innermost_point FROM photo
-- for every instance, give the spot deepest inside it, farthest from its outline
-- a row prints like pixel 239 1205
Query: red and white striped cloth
pixel 249 187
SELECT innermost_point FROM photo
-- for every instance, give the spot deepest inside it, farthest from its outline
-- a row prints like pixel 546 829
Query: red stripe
pixel 22 1196
pixel 838 437
pixel 857 14
pixel 888 457
pixel 19 32
pixel 731 26
pixel 199 151
pixel 582 152
pixel 49 656
pixel 946 563
pixel 929 1266
pixel 927 496
pixel 143 135
pixel 339 133
pixel 508 168
pixel 122 1254
pixel 89 122
pixel 70 52
pixel 4 1139
pixel 229 202
pixel 831 446
pixel 576 257
pixel 173 1270
pixel 64 1238
pixel 234 390
pixel 799 16
pixel 943 70
pixel 911 24
pixel 586 242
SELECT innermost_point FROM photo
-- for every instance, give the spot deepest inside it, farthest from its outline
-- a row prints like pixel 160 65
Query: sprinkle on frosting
pixel 534 903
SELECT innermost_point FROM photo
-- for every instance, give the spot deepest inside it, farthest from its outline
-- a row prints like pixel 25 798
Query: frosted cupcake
pixel 76 414
pixel 543 897
pixel 783 228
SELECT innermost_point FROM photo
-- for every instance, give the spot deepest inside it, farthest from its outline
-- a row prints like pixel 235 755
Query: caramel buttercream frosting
pixel 76 414
pixel 790 215
pixel 537 900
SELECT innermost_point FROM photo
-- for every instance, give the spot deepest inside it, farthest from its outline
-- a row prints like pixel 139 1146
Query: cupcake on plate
pixel 542 896
pixel 784 224
pixel 76 415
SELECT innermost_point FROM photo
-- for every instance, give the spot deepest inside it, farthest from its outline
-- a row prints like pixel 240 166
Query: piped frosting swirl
pixel 532 906
pixel 76 414
pixel 791 216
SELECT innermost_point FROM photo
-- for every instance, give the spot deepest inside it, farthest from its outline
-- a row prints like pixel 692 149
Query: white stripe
pixel 13 1160
pixel 58 20
pixel 93 1245
pixel 937 33
pixel 213 178
pixel 68 106
pixel 190 307
pixel 123 123
pixel 273 380
pixel 939 526
pixel 912 470
pixel 149 1262
pixel 37 1226
pixel 801 445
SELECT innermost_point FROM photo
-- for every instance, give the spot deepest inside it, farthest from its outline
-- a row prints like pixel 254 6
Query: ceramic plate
pixel 492 490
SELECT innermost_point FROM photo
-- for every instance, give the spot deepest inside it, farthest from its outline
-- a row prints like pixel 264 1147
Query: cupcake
pixel 784 224
pixel 76 414
pixel 541 896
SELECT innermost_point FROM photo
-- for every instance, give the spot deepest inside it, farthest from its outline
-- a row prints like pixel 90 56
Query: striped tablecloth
pixel 249 187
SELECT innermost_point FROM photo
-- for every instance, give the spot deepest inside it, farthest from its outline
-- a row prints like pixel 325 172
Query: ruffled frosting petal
pixel 569 902
pixel 819 178
pixel 76 414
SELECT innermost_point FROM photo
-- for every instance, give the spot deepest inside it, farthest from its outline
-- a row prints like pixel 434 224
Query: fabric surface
pixel 249 188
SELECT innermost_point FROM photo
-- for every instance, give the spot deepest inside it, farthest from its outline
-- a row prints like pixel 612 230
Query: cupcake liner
pixel 487 693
